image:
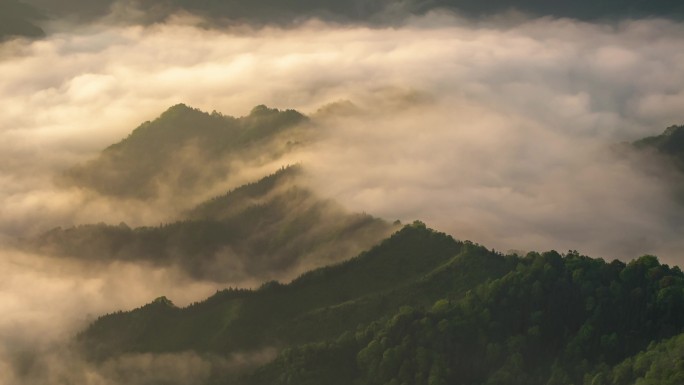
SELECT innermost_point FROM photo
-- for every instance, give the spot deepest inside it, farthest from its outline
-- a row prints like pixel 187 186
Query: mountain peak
pixel 673 129
pixel 262 109
pixel 194 144
pixel 162 301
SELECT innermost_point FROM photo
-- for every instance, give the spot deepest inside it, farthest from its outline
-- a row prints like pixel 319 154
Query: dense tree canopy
pixel 422 308
pixel 185 150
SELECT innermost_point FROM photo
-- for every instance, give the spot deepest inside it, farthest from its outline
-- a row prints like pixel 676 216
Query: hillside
pixel 319 304
pixel 669 144
pixel 272 228
pixel 185 150
pixel 661 364
pixel 551 319
pixel 422 308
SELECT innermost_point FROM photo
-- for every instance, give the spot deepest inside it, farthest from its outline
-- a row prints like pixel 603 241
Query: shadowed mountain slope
pixel 272 228
pixel 184 150
pixel 551 319
pixel 280 315
pixel 422 308
pixel 669 144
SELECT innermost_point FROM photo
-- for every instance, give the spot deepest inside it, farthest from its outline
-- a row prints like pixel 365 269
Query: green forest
pixel 424 308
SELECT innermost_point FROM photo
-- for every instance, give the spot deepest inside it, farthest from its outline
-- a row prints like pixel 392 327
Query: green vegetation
pixel 186 149
pixel 299 312
pixel 670 144
pixel 422 308
pixel 270 228
pixel 417 308
pixel 661 364
pixel 551 320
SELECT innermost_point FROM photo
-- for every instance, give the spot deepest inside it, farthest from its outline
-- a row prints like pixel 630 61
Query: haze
pixel 505 131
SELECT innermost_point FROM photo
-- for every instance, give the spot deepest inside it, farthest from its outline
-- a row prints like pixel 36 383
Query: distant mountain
pixel 670 144
pixel 423 308
pixel 261 12
pixel 581 9
pixel 185 150
pixel 18 19
pixel 275 227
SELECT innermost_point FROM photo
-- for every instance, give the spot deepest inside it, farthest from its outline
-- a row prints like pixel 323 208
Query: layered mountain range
pixel 348 298
pixel 424 308
pixel 274 226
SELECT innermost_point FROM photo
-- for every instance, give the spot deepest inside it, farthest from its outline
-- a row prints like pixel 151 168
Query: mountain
pixel 259 12
pixel 185 150
pixel 411 266
pixel 423 308
pixel 662 157
pixel 275 227
pixel 18 19
pixel 551 319
pixel 669 144
pixel 661 364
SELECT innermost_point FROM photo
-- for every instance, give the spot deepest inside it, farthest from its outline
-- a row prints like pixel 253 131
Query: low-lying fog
pixel 505 133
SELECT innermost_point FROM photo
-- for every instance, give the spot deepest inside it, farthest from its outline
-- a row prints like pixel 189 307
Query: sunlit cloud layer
pixel 500 132
pixel 500 91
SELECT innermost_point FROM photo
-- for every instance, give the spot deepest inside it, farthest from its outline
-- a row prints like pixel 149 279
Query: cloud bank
pixel 45 304
pixel 519 105
pixel 496 131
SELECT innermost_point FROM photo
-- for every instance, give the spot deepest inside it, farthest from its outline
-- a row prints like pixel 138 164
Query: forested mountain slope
pixel 422 308
pixel 185 149
pixel 551 320
pixel 273 228
pixel 661 364
pixel 669 144
pixel 317 305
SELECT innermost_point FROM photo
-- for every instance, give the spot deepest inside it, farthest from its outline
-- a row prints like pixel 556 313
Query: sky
pixel 506 130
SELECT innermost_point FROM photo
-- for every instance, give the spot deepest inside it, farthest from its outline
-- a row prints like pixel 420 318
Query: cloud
pixel 515 101
pixel 499 179
pixel 45 303
pixel 496 131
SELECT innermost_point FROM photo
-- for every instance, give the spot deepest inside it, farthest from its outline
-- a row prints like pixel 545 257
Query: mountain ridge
pixel 473 315
pixel 264 229
pixel 184 149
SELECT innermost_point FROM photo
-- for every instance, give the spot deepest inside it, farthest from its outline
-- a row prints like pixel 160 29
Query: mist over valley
pixel 362 193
